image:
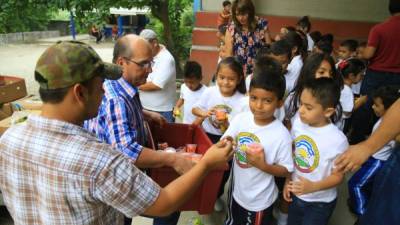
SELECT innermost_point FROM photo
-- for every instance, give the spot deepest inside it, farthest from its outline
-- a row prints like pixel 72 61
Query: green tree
pixel 23 15
pixel 172 14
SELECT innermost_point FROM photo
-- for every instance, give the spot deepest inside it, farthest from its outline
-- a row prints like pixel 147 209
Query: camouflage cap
pixel 70 62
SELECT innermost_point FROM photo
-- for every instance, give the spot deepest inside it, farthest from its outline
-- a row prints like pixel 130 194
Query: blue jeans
pixel 168 115
pixel 383 206
pixel 172 219
pixel 309 213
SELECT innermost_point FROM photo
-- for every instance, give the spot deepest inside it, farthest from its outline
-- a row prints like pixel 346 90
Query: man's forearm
pixel 149 158
pixel 387 130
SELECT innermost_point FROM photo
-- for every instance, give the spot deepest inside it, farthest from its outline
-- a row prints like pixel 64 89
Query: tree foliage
pixel 23 15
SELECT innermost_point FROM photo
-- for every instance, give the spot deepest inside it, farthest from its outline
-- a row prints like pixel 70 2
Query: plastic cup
pixel 191 148
pixel 220 114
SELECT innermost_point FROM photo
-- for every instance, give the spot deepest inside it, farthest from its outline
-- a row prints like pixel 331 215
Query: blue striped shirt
pixel 120 118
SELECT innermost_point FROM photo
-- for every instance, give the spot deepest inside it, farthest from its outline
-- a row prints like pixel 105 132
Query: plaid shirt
pixel 120 118
pixel 53 172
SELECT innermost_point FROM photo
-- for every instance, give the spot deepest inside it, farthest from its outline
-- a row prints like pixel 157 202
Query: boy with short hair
pixel 317 142
pixel 191 91
pixel 263 151
pixel 347 50
pixel 223 19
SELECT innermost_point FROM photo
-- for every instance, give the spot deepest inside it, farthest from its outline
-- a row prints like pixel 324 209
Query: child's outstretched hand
pixel 302 186
pixel 255 155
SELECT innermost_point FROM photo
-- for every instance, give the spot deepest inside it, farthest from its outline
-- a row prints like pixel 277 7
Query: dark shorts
pixel 383 207
pixel 238 215
pixel 309 213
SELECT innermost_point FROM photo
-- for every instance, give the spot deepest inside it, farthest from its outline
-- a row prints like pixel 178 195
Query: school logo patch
pixel 242 140
pixel 305 154
pixel 221 115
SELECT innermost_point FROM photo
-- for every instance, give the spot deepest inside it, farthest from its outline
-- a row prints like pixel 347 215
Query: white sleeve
pixel 182 92
pixel 284 156
pixel 347 101
pixel 202 103
pixel 341 148
pixel 165 72
pixel 232 129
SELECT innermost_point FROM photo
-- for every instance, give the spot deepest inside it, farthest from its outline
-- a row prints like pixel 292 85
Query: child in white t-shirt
pixel 219 104
pixel 317 142
pixel 296 63
pixel 361 183
pixel 351 71
pixel 263 151
pixel 191 91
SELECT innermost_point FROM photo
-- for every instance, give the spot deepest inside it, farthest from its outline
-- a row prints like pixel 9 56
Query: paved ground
pixel 20 59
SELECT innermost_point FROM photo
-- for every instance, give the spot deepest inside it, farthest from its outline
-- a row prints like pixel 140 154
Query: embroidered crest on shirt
pixel 243 139
pixel 218 123
pixel 305 154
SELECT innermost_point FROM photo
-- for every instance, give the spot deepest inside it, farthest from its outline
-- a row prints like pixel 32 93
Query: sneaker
pixel 219 205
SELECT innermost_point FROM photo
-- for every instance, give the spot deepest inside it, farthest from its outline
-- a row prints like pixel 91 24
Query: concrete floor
pixel 20 59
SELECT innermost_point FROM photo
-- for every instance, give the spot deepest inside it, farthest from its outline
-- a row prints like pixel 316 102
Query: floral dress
pixel 246 44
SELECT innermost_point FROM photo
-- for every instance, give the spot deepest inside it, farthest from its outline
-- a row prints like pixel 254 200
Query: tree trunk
pixel 161 12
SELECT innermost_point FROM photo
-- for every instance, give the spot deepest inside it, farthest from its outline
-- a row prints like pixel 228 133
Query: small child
pixel 263 151
pixel 293 71
pixel 191 91
pixel 317 142
pixel 347 50
pixel 352 71
pixel 279 51
pixel 360 52
pixel 223 19
pixel 361 183
pixel 219 104
pixel 304 25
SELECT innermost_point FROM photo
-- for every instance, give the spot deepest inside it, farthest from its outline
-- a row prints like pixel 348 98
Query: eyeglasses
pixel 144 64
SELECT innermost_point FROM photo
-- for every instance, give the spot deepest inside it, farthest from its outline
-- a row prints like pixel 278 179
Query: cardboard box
pixel 31 102
pixel 13 88
pixel 17 116
pixel 6 110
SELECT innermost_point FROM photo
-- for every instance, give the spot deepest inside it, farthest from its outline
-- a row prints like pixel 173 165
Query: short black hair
pixel 325 90
pixel 327 37
pixel 325 46
pixel 351 66
pixel 388 95
pixel 394 6
pixel 268 76
pixel 281 47
pixel 350 44
pixel 192 69
pixel 304 22
pixel 225 3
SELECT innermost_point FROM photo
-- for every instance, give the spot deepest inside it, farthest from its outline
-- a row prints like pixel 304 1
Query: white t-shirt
pixel 385 152
pixel 316 148
pixel 293 72
pixel 278 114
pixel 356 88
pixel 247 82
pixel 254 189
pixel 212 98
pixel 163 76
pixel 190 98
pixel 310 43
pixel 347 102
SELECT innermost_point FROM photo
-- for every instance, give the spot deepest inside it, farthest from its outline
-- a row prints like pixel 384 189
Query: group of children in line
pixel 289 120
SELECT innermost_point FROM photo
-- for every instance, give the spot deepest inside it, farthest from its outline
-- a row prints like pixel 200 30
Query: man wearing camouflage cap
pixel 52 171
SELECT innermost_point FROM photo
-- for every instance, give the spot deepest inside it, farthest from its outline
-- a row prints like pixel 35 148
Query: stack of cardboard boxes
pixel 14 101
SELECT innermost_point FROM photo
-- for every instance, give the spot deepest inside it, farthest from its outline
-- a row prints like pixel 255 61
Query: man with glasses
pixel 120 121
pixel 159 92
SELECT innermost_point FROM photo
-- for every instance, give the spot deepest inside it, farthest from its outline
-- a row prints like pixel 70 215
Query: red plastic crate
pixel 177 135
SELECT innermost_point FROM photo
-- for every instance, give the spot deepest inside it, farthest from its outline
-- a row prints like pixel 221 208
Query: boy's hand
pixel 302 186
pixel 218 154
pixel 255 158
pixel 286 192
